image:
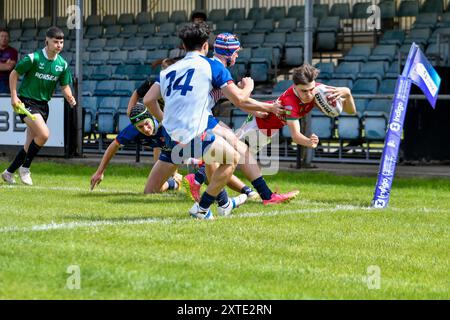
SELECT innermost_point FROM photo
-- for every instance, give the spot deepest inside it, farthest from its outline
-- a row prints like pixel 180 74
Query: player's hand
pixel 338 92
pixel 314 141
pixel 71 100
pixel 248 82
pixel 15 101
pixel 278 109
pixel 96 179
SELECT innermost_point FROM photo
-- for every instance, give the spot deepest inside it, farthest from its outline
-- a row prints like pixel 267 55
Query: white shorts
pixel 249 131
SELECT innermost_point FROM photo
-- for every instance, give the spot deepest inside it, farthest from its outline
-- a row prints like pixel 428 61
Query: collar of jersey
pixel 46 57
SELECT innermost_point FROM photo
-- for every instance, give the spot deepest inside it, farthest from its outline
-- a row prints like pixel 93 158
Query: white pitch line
pixel 75 225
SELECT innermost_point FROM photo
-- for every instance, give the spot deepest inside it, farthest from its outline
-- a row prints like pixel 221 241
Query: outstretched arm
pixel 97 177
pixel 345 93
pixel 299 138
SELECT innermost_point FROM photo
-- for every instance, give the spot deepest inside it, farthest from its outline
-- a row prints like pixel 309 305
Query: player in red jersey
pixel 298 100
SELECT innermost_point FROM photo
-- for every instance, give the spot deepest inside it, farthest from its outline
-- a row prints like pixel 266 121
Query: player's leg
pixel 158 177
pixel 227 157
pixel 248 163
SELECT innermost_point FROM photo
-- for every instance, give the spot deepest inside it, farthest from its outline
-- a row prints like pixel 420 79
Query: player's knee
pixel 42 138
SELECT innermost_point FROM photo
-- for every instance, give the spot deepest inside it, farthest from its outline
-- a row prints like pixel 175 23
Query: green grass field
pixel 131 246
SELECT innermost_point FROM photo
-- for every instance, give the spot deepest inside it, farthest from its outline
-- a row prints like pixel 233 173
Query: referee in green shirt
pixel 42 70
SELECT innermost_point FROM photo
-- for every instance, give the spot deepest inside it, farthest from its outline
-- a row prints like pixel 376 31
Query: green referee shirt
pixel 41 75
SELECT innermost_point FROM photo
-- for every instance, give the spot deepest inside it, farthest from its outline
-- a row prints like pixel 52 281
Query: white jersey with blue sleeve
pixel 185 88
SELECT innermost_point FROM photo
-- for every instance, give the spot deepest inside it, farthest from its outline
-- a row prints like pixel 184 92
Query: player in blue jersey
pixel 145 130
pixel 226 48
pixel 186 87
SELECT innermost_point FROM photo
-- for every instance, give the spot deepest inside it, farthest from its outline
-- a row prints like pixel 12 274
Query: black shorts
pixel 34 107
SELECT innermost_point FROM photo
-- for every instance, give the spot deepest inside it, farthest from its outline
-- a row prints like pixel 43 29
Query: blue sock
pixel 206 201
pixel 172 183
pixel 261 186
pixel 200 175
pixel 247 190
pixel 222 198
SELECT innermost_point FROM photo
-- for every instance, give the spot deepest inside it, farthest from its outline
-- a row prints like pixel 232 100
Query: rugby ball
pixel 330 108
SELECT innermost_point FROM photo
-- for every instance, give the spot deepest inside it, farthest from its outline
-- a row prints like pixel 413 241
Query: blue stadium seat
pixel 133 43
pixel 395 37
pixel 178 16
pixel 320 10
pixel 29 34
pixel 380 105
pixel 45 23
pixel 361 105
pixel 365 86
pixel 129 30
pixel 374 125
pixel 152 43
pixel 263 26
pixel 170 43
pixel 360 10
pixel 93 20
pixel 155 55
pixel 118 57
pixel 253 40
pixel 326 41
pixel 146 30
pixel 257 13
pixel 126 19
pixel 326 69
pixel 105 88
pixel 102 72
pixel 408 9
pixel 167 29
pixel 123 72
pixel 393 71
pixel 347 70
pixel 161 17
pixel 224 26
pixel 109 20
pixel 339 83
pixel 384 53
pixel 236 14
pixel 99 58
pixel 29 23
pixel 322 125
pixel 342 10
pixel 89 105
pixel 143 18
pixel 93 32
pixel 96 45
pixel 349 127
pixel 244 26
pixel 419 36
pixel 388 9
pixel 137 57
pixel 373 70
pixel 297 12
pixel 276 13
pixel 433 6
pixel 113 44
pixel 88 87
pixel 329 24
pixel 282 86
pixel 112 31
pixel 359 52
pixel 387 86
pixel 426 20
pixel 217 15
pixel 124 88
pixel 286 25
pixel 14 24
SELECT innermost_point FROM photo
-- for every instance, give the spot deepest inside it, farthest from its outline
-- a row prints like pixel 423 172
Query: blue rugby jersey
pixel 131 134
pixel 186 89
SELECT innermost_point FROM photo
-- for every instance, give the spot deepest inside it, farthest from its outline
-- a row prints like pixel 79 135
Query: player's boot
pixel 179 179
pixel 8 177
pixel 232 204
pixel 192 186
pixel 198 213
pixel 25 176
pixel 280 198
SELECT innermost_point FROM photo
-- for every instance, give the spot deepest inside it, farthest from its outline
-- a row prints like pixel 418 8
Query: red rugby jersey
pixel 295 109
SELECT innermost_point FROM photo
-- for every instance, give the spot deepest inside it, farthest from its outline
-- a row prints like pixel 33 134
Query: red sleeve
pixel 14 55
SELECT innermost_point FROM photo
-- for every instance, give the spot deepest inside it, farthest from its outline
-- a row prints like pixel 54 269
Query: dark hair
pixel 194 35
pixel 198 15
pixel 4 30
pixel 55 33
pixel 305 74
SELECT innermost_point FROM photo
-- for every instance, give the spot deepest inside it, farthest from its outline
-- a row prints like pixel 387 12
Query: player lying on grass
pixel 42 71
pixel 298 101
pixel 144 130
